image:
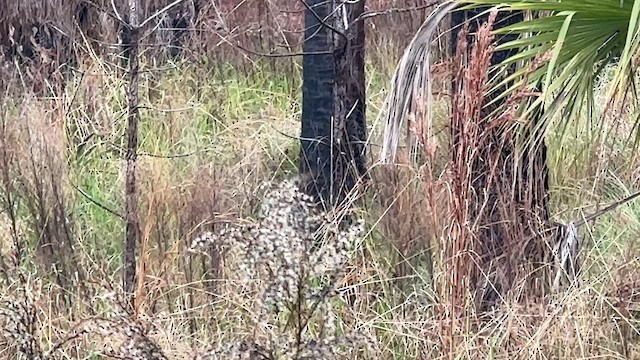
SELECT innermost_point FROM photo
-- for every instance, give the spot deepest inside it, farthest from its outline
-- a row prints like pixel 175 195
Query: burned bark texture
pixel 509 187
pixel 333 100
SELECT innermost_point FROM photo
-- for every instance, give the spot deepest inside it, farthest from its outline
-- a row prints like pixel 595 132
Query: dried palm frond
pixel 411 80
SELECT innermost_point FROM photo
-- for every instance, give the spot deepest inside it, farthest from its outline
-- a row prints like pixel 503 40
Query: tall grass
pixel 211 135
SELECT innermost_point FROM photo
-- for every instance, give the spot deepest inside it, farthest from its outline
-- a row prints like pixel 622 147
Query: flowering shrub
pixel 293 257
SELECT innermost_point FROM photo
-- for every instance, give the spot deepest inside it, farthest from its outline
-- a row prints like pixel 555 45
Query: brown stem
pixel 131 237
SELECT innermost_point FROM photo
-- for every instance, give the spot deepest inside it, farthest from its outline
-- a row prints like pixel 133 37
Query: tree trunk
pixel 131 193
pixel 511 206
pixel 333 100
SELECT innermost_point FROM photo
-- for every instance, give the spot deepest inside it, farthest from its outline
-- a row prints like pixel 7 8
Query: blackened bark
pixel 131 194
pixel 318 74
pixel 333 101
pixel 528 177
pixel 124 34
pixel 352 74
pixel 183 18
pixel 180 26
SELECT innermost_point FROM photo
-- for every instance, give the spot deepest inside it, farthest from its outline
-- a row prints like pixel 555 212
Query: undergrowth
pixel 209 140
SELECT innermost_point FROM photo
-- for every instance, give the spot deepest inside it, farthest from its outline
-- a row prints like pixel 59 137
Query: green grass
pixel 208 138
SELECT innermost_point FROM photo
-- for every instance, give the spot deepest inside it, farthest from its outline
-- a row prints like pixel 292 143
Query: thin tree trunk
pixel 333 99
pixel 132 230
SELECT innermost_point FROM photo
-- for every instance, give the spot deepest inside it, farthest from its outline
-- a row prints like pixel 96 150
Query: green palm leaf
pixel 584 36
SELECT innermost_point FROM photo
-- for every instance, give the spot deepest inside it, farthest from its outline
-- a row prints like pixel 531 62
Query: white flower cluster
pixel 122 338
pixel 323 349
pixel 292 244
pixel 295 255
pixel 18 322
pixel 119 336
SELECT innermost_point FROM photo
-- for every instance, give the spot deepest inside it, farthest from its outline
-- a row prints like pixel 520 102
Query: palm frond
pixel 583 36
pixel 411 80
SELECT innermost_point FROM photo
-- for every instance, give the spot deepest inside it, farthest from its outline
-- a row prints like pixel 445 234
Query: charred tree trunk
pixel 333 99
pixel 124 37
pixel 510 201
pixel 318 74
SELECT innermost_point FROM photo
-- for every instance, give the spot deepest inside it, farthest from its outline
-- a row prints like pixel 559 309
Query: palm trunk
pixel 333 107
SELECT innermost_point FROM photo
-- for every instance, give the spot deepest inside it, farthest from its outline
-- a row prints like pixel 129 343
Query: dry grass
pixel 50 37
pixel 211 136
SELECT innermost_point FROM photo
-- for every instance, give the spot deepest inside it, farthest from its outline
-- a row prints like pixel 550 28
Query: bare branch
pixel 97 203
pixel 270 55
pixel 274 55
pixel 115 16
pixel 323 21
pixel 115 11
pixel 371 14
pixel 160 12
